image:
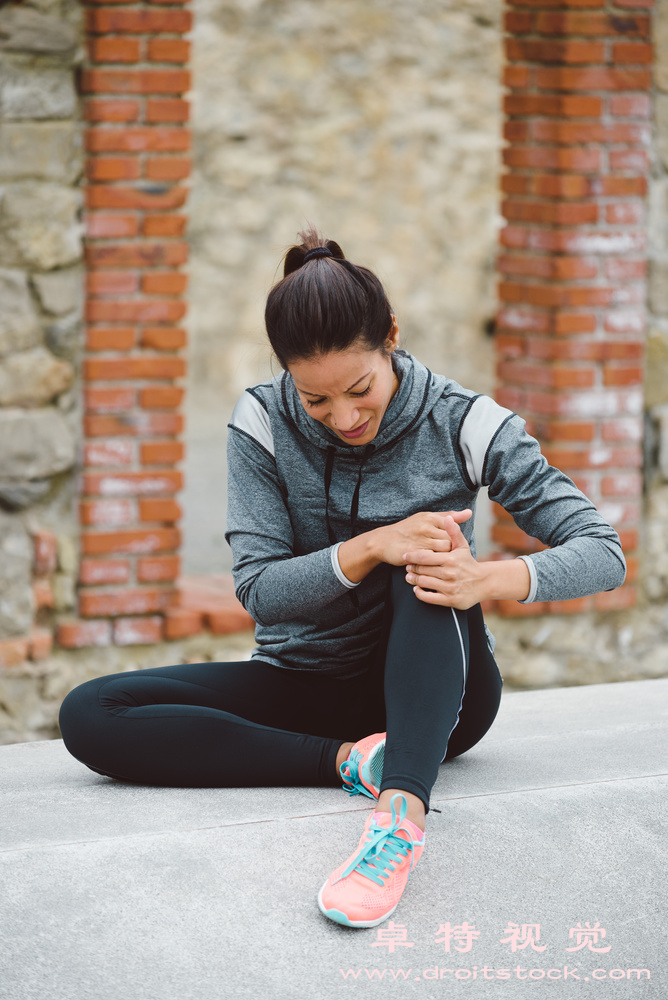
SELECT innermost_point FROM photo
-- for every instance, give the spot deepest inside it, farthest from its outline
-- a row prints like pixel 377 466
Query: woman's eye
pixel 364 392
pixel 314 402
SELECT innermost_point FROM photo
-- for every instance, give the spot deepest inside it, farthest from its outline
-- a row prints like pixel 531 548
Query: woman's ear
pixel 392 339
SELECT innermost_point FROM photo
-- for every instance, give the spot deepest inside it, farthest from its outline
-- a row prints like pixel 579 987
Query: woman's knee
pixel 79 717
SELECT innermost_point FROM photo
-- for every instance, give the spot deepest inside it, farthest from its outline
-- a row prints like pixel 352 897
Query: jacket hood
pixel 418 392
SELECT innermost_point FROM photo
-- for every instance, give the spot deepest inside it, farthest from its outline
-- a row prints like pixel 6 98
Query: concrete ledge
pixel 557 817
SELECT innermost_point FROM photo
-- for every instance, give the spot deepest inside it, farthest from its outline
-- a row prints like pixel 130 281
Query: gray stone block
pixel 33 378
pixel 40 225
pixel 26 30
pixel 19 326
pixel 60 291
pixel 34 443
pixel 28 92
pixel 46 150
pixel 16 597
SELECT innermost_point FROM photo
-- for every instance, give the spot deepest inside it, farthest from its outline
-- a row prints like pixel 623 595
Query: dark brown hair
pixel 325 303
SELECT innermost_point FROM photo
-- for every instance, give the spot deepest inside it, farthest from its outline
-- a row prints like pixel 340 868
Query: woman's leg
pixel 442 687
pixel 216 724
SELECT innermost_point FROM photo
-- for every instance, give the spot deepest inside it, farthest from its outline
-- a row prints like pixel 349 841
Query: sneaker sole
pixel 340 918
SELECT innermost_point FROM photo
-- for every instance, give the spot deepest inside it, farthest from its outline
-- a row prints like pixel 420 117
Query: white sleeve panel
pixel 336 566
pixel 251 417
pixel 534 580
pixel 479 427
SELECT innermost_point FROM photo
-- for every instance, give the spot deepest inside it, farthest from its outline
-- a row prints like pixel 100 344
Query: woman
pixel 353 477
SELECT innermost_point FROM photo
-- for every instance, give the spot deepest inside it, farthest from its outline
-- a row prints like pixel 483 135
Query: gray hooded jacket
pixel 295 490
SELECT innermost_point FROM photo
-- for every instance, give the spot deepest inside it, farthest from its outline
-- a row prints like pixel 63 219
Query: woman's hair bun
pixel 313 246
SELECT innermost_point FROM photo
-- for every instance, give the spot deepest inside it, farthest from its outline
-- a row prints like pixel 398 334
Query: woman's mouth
pixel 357 432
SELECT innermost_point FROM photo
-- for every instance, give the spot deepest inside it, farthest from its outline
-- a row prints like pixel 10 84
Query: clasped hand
pixel 438 559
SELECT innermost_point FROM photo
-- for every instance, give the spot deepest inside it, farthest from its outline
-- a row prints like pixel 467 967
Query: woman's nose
pixel 345 417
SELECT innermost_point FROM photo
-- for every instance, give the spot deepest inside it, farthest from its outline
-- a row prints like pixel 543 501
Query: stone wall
pixel 381 123
pixel 41 276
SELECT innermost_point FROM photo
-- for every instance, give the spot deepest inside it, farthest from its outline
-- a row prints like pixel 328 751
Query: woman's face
pixel 348 391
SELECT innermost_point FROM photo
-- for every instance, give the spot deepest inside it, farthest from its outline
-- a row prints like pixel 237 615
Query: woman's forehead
pixel 335 372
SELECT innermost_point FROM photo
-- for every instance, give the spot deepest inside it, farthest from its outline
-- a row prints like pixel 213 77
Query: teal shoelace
pixel 383 851
pixel 349 771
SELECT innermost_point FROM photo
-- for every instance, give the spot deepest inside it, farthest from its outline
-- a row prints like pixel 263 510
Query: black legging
pixel 253 724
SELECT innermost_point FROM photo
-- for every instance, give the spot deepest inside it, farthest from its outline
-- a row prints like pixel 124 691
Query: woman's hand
pixel 455 579
pixel 424 531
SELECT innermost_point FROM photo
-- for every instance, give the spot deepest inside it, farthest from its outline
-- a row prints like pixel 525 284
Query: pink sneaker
pixel 366 888
pixel 362 771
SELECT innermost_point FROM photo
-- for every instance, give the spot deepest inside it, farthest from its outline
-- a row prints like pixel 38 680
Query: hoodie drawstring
pixel 354 507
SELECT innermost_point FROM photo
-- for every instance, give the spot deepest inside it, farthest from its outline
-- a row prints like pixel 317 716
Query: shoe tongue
pixel 384 819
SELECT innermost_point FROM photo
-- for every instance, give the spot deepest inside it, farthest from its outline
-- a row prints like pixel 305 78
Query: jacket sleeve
pixel 271 582
pixel 585 554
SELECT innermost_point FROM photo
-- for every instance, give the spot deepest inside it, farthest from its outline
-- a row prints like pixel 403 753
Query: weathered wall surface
pixel 381 123
pixel 41 277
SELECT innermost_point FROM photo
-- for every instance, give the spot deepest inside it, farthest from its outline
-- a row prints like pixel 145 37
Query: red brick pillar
pixel 571 322
pixel 137 144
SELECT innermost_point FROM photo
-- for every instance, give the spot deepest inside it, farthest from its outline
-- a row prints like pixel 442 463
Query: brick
pixel 622 429
pixel 625 270
pixel 541 51
pixel 132 601
pixel 129 484
pixel 592 78
pixel 144 81
pixel 568 323
pixel 159 510
pixel 101 226
pixel 138 311
pixel 182 622
pixel 164 225
pixel 553 105
pixel 45 553
pixel 109 400
pixel 232 619
pixel 523 318
pixel 573 607
pixel 161 397
pixel 549 349
pixel 166 283
pixel 111 282
pixel 138 140
pixel 549 376
pixel 107 512
pixel 516 77
pixel 97 572
pixel 559 213
pixel 42 594
pixel 111 110
pixel 158 569
pixel 625 215
pixel 553 158
pixel 138 254
pixel 555 295
pixel 162 338
pixel 510 397
pixel 162 452
pixel 138 631
pixel 623 375
pixel 168 168
pixel 140 367
pixel 561 186
pixel 596 25
pixel 544 130
pixel 77 634
pixel 40 644
pixel 110 338
pixel 113 196
pixel 140 21
pixel 565 430
pixel 112 168
pixel 517 22
pixel 620 513
pixel 621 187
pixel 512 537
pixel 629 159
pixel 515 131
pixel 167 110
pixel 141 542
pixel 169 50
pixel 616 600
pixel 114 453
pixel 560 268
pixel 630 105
pixel 13 652
pixel 625 321
pixel 133 424
pixel 563 457
pixel 508 345
pixel 114 50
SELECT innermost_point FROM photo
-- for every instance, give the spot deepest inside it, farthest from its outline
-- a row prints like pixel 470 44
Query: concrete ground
pixel 557 818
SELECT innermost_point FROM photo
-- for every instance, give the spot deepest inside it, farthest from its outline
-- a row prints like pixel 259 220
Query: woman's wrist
pixel 507 579
pixel 361 554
